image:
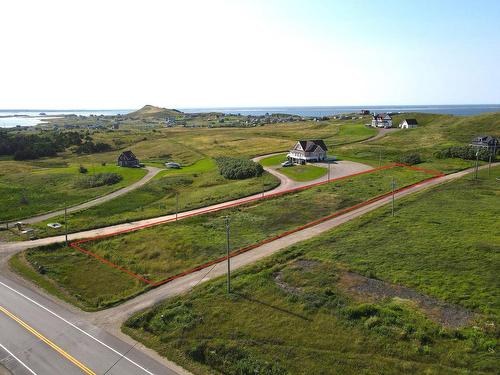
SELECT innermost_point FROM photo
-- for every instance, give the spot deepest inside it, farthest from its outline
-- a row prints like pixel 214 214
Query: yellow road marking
pixel 84 368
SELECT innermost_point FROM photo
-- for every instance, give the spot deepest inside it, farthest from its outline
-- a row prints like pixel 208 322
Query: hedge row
pixel 464 152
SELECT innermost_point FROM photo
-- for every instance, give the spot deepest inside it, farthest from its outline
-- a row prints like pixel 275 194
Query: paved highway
pixel 38 336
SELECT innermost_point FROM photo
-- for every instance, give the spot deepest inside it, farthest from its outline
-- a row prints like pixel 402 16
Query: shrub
pixel 230 359
pixel 464 152
pixel 238 168
pixel 82 169
pixel 410 159
pixel 99 179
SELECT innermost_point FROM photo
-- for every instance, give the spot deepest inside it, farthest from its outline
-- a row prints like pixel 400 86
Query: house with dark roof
pixel 486 141
pixel 382 120
pixel 308 151
pixel 408 123
pixel 128 159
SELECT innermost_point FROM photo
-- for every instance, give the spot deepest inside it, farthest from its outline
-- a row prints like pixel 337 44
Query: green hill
pixel 150 111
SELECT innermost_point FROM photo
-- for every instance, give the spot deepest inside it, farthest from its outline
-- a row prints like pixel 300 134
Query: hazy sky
pixel 209 53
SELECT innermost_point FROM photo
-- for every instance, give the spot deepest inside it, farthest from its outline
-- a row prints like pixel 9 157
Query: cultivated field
pixel 415 293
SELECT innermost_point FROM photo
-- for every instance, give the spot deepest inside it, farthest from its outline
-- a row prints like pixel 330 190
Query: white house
pixel 308 151
pixel 382 120
pixel 408 123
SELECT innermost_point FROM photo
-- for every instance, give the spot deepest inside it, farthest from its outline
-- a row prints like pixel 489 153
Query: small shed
pixel 128 159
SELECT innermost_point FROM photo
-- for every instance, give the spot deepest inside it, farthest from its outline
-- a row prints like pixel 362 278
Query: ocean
pixel 29 117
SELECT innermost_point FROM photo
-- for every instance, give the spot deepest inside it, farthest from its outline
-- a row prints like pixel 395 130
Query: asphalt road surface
pixel 38 336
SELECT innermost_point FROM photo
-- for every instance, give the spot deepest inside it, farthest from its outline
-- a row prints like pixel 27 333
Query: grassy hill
pixel 149 111
pixel 434 133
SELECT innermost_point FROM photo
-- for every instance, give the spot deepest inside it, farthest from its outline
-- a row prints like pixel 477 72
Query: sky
pixel 230 53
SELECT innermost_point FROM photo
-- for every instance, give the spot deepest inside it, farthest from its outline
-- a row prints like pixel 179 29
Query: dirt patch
pixel 301 265
pixel 448 315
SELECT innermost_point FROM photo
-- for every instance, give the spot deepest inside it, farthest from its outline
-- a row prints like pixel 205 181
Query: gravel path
pixel 343 168
pixel 112 318
pixel 152 171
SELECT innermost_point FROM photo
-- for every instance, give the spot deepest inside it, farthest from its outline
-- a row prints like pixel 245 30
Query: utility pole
pixel 393 186
pixel 66 224
pixel 176 205
pixel 329 165
pixel 228 258
pixel 489 164
pixel 477 164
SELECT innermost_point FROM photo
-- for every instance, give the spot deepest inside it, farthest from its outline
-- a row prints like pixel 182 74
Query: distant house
pixel 408 123
pixel 308 151
pixel 128 159
pixel 382 120
pixel 486 141
pixel 364 112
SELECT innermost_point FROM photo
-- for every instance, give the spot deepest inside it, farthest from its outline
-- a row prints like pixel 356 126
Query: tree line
pixel 33 146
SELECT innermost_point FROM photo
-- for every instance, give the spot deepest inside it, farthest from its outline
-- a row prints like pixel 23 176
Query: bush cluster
pixel 410 159
pixel 238 168
pixel 230 359
pixel 464 152
pixel 99 179
pixel 89 147
pixel 34 146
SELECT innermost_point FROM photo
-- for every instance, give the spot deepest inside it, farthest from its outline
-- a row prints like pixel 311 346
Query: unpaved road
pixel 111 319
pixel 342 168
pixel 381 133
pixel 152 172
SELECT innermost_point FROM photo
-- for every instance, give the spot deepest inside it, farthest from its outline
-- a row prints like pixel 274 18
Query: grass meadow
pixel 307 172
pixel 27 189
pixel 293 313
pixel 434 132
pixel 158 252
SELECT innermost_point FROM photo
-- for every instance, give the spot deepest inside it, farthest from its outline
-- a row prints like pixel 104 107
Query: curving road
pixel 112 318
pixel 152 172
pixel 342 168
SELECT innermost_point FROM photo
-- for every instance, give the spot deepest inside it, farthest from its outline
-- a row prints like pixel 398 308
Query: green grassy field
pixel 274 160
pixel 48 182
pixel 297 313
pixel 306 172
pixel 27 189
pixel 166 250
pixel 158 198
pixel 435 132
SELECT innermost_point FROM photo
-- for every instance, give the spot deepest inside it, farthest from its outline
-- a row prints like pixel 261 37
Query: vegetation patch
pixel 466 153
pixel 446 314
pixel 99 179
pixel 238 168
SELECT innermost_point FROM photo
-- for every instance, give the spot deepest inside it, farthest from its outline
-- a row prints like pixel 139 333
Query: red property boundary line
pixel 75 244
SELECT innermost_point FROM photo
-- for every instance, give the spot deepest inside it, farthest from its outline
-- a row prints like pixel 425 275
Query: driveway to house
pixel 382 132
pixel 338 169
pixel 152 171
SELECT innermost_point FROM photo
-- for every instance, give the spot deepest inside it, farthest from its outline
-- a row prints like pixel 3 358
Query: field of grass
pixel 306 172
pixel 271 161
pixel 27 189
pixel 162 251
pixel 158 197
pixel 435 132
pixel 293 313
